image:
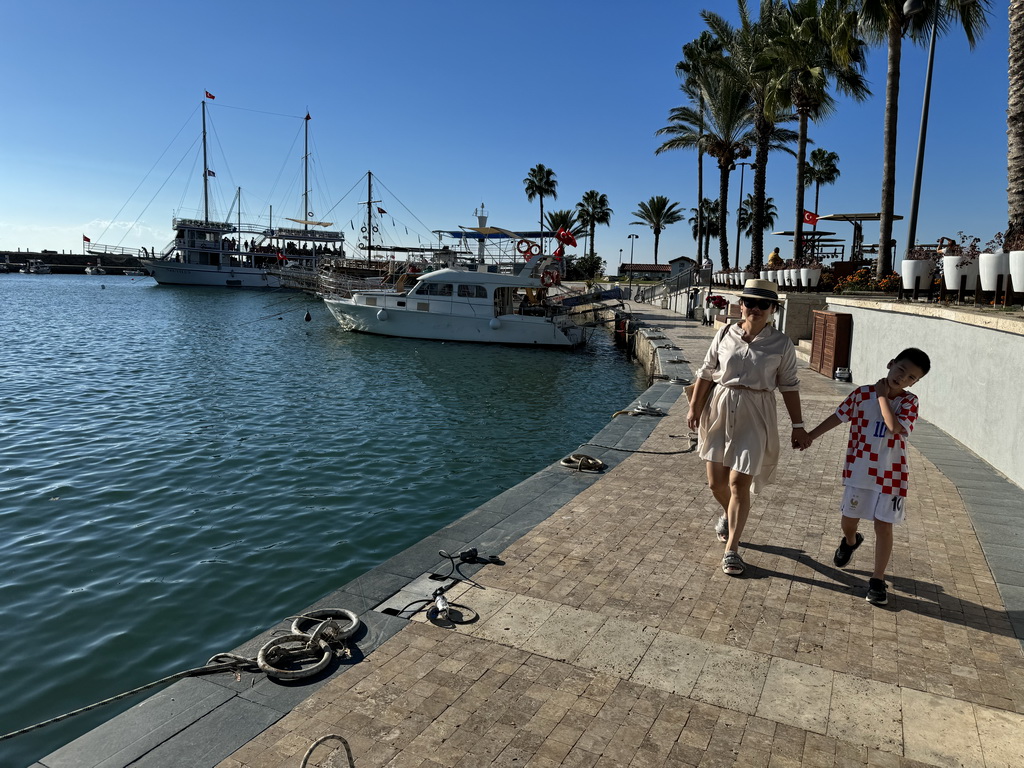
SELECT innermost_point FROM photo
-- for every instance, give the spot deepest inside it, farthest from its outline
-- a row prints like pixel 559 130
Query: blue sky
pixel 449 104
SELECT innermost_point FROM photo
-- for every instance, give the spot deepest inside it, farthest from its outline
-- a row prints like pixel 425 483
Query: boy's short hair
pixel 915 356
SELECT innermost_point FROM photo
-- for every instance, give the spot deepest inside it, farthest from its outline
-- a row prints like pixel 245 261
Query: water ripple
pixel 178 474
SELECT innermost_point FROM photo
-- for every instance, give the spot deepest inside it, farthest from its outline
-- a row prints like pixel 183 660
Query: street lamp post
pixel 911 8
pixel 739 208
pixel 632 239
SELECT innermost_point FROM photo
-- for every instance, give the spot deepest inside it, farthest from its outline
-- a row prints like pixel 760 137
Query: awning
pixel 856 217
pixel 311 223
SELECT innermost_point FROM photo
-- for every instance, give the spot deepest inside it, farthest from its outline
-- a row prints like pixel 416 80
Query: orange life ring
pixel 523 246
pixel 534 249
pixel 557 277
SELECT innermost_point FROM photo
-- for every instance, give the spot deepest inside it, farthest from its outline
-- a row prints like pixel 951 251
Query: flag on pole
pixel 210 95
pixel 86 239
pixel 810 218
pixel 210 173
pixel 380 210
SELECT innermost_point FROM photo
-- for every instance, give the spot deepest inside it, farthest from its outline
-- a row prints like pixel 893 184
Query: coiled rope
pixel 330 758
pixel 582 463
pixel 271 658
pixel 642 409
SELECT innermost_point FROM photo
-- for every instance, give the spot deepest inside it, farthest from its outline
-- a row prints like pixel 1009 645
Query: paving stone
pixel 940 730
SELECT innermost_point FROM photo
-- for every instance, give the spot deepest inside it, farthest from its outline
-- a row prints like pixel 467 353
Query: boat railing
pixel 112 250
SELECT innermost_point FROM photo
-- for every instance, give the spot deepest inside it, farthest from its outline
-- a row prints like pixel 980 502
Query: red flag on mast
pixel 86 239
pixel 810 218
pixel 210 95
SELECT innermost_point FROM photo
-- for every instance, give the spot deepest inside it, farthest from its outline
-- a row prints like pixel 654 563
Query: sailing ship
pixel 218 253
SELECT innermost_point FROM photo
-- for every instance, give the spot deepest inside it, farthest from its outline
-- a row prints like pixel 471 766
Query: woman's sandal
pixel 722 528
pixel 732 564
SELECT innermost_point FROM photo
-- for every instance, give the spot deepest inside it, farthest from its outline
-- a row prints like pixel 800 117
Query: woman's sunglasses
pixel 762 304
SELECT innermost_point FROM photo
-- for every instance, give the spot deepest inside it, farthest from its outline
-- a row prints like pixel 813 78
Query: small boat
pixel 136 273
pixel 5 265
pixel 475 302
pixel 95 269
pixel 35 267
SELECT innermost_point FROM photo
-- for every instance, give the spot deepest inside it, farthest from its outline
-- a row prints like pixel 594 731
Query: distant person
pixel 876 474
pixel 774 259
pixel 737 429
pixel 708 264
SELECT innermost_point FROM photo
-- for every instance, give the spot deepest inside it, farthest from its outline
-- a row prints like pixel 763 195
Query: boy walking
pixel 875 474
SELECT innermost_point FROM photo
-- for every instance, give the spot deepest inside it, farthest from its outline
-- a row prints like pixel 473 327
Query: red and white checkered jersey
pixel 875 458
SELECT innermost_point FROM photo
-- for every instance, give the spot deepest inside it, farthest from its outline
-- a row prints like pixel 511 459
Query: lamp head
pixel 912 8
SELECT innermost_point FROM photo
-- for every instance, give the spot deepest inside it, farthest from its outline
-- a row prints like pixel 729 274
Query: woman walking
pixel 738 433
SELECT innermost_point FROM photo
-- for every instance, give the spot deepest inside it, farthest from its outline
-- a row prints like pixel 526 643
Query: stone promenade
pixel 609 635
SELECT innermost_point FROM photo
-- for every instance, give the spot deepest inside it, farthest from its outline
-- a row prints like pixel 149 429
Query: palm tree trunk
pixel 763 128
pixel 541 225
pixel 1015 126
pixel 801 164
pixel 701 234
pixel 892 95
pixel 593 232
pixel 657 239
pixel 723 212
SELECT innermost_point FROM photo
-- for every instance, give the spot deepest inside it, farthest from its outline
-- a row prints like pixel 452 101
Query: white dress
pixel 739 425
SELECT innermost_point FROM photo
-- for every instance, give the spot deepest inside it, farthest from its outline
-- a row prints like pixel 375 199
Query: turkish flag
pixel 86 239
pixel 210 95
pixel 810 218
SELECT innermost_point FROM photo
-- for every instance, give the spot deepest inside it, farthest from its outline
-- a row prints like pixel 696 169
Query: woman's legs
pixel 718 481
pixel 739 507
pixel 731 489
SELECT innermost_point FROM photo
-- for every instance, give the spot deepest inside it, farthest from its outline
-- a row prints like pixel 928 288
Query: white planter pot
pixel 952 273
pixel 990 267
pixel 792 277
pixel 773 275
pixel 765 273
pixel 1016 260
pixel 744 276
pixel 911 268
pixel 809 276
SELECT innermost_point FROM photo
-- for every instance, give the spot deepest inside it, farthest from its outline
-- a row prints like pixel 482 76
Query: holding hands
pixel 800 440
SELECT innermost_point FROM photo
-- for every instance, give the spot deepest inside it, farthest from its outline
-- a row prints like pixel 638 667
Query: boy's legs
pixel 883 547
pixel 849 526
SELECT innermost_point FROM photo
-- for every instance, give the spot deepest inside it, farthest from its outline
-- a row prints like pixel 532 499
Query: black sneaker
pixel 877 594
pixel 845 551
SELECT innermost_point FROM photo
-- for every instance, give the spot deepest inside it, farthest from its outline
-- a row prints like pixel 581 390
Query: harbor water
pixel 182 468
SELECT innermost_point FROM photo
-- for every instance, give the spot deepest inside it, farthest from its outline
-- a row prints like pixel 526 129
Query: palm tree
pixel 706 213
pixel 541 182
pixel 1015 129
pixel 593 210
pixel 747 64
pixel 565 219
pixel 699 56
pixel 727 136
pixel 883 21
pixel 816 44
pixel 657 213
pixel 823 169
pixel 745 218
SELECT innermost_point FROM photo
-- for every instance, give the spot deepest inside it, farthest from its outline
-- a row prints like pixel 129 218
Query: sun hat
pixel 760 289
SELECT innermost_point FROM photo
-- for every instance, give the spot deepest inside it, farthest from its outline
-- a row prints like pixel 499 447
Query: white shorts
pixel 873 505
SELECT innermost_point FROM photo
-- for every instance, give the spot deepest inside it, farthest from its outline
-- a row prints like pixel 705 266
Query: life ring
pixel 534 249
pixel 565 237
pixel 550 277
pixel 523 246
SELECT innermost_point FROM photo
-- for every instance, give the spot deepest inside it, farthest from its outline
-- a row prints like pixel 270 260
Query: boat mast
pixel 206 174
pixel 305 176
pixel 369 216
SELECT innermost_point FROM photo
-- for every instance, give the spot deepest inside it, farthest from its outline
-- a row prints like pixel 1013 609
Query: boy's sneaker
pixel 845 551
pixel 876 592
